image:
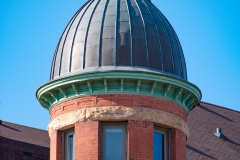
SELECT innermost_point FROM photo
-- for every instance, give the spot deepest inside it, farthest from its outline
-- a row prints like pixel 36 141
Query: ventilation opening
pixel 219 133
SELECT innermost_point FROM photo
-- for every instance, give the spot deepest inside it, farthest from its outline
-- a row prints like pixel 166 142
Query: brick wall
pixel 119 100
pixel 56 145
pixel 140 140
pixel 87 140
pixel 16 150
pixel 140 134
pixel 178 145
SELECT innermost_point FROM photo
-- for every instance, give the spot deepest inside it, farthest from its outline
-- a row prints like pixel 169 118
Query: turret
pixel 118 88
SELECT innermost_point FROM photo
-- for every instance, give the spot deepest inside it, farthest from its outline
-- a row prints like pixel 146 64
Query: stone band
pixel 118 113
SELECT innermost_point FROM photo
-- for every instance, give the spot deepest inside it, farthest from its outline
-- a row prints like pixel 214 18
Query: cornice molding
pixel 180 92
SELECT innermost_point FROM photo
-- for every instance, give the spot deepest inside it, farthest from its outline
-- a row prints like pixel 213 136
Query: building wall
pixel 140 133
pixel 119 100
pixel 178 145
pixel 16 150
pixel 140 140
pixel 87 140
pixel 56 145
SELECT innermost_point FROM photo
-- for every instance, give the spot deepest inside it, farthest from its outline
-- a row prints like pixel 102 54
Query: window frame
pixel 105 125
pixel 167 140
pixel 65 142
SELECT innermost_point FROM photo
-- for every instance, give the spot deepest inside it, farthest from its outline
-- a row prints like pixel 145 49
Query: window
pixel 161 144
pixel 69 144
pixel 114 141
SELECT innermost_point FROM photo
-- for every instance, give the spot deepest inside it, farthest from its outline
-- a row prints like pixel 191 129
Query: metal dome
pixel 118 35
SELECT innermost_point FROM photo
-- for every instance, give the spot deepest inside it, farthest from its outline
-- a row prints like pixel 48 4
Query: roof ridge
pixel 219 106
pixel 25 126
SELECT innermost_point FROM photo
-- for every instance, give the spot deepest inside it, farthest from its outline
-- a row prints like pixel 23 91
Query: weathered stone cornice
pixel 118 113
pixel 180 92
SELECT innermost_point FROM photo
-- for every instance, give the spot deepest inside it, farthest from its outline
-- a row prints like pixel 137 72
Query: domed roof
pixel 119 35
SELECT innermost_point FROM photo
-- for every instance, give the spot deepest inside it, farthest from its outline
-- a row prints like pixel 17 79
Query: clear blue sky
pixel 209 32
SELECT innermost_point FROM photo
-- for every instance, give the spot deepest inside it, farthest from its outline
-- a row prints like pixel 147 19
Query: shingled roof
pixel 203 144
pixel 24 134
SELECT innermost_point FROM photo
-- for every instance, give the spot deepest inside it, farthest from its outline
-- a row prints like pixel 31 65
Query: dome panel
pixel 127 33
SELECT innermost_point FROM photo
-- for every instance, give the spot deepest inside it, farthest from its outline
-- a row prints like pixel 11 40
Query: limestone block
pixel 113 113
pixel 67 119
pixel 166 119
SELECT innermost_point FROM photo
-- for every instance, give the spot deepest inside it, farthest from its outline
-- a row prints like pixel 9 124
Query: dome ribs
pixel 115 35
pixel 67 51
pixel 183 75
pixel 108 40
pixel 159 65
pixel 179 52
pixel 101 34
pixel 144 28
pixel 130 27
pixel 57 58
pixel 64 44
pixel 85 56
pixel 175 47
pixel 182 59
pixel 139 43
pixel 116 32
pixel 83 11
pixel 53 62
pixel 183 63
pixel 79 40
pixel 123 35
pixel 169 65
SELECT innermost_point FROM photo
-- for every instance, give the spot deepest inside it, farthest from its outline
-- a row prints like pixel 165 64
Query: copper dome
pixel 118 35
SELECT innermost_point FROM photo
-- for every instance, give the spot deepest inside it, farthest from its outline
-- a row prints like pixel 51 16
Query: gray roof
pixel 203 143
pixel 128 33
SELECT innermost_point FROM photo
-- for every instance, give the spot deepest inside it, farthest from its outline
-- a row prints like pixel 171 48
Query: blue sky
pixel 29 32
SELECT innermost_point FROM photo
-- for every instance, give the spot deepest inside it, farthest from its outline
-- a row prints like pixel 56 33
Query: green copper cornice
pixel 172 89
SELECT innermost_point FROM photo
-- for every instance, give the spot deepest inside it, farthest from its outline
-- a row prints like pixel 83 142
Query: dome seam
pixel 101 33
pixel 118 33
pixel 56 51
pixel 60 65
pixel 144 26
pixel 86 38
pixel 159 40
pixel 168 37
pixel 70 64
pixel 131 36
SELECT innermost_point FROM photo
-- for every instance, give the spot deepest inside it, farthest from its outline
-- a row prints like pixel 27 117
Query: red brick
pixel 119 100
pixel 56 145
pixel 140 133
pixel 140 140
pixel 87 140
pixel 178 145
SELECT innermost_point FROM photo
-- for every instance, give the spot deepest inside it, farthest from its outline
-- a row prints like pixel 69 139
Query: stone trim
pixel 118 113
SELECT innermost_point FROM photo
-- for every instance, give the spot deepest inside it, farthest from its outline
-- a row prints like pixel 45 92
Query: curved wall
pixel 119 100
pixel 142 114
